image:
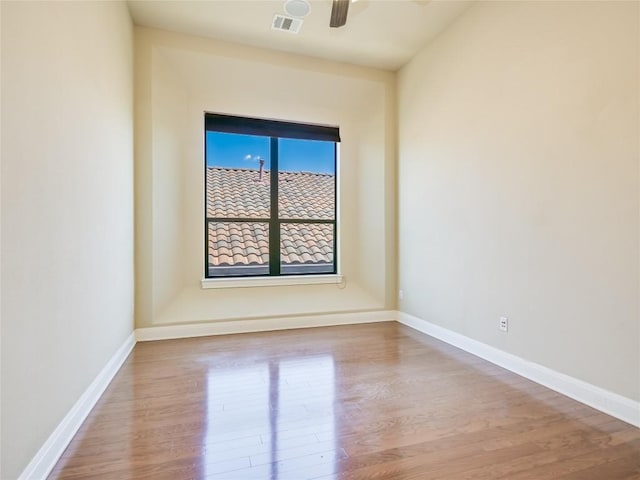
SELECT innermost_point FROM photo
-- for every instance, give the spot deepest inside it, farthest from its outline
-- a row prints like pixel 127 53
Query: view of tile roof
pixel 242 193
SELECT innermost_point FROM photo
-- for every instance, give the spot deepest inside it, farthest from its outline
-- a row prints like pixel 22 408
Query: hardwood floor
pixel 376 401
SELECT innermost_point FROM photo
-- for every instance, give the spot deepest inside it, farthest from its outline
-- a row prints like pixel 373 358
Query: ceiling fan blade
pixel 339 11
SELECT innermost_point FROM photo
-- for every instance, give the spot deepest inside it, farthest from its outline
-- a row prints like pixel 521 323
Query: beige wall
pixel 518 189
pixel 178 78
pixel 518 174
pixel 67 210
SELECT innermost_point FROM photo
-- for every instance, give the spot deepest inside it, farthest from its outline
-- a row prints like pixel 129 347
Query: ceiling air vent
pixel 286 24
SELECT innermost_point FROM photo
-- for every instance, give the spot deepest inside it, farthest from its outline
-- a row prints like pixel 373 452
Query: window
pixel 270 197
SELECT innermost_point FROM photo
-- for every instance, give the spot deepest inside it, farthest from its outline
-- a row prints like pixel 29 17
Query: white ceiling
pixel 379 33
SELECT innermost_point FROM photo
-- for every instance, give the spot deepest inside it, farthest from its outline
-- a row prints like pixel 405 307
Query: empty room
pixel 320 239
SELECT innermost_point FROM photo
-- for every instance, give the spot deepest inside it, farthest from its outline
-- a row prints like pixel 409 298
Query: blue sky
pixel 242 151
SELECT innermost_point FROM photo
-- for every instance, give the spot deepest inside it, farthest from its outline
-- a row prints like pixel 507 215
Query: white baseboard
pixel 608 402
pixel 261 325
pixel 43 462
pixel 45 459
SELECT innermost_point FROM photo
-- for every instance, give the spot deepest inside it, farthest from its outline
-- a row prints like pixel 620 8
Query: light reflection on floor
pixel 276 417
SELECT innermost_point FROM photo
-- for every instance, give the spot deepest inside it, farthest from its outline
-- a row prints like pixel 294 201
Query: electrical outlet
pixel 504 324
pixel 400 294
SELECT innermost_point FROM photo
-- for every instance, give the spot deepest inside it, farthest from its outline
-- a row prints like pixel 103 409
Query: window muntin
pixel 270 199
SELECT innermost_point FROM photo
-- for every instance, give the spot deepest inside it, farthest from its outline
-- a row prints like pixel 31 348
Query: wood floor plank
pixel 376 401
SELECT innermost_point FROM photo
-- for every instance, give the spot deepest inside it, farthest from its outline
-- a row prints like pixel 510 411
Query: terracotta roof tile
pixel 239 193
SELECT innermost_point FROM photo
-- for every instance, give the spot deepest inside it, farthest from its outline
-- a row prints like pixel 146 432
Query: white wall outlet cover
pixel 504 324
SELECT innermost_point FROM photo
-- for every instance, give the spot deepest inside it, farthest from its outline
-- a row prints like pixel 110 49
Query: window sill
pixel 271 281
